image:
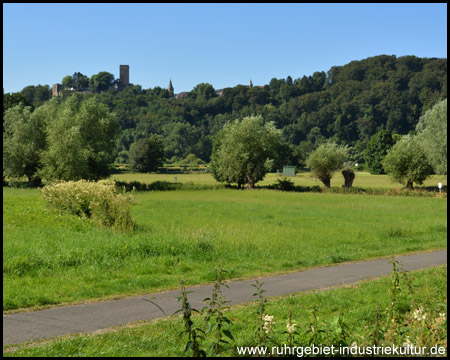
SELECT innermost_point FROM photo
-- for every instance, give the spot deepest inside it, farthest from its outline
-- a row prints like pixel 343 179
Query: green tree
pixel 23 143
pixel 67 82
pixel 325 160
pixel 12 99
pixel 432 133
pixel 377 148
pixel 81 82
pixel 147 154
pixel 101 81
pixel 244 151
pixel 37 95
pixel 406 162
pixel 203 91
pixel 81 138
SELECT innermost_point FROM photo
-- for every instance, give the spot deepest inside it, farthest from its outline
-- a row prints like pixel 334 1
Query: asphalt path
pixel 34 325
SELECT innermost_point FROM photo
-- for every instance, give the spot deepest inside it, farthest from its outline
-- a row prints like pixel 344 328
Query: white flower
pixel 291 327
pixel 408 342
pixel 268 323
pixel 418 314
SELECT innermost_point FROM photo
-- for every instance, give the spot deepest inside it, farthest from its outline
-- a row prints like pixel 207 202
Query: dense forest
pixel 347 104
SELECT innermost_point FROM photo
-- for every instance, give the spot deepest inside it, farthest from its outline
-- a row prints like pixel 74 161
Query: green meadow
pixel 51 258
pixel 362 179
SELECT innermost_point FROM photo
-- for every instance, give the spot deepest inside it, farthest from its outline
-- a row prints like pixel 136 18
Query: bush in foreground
pixel 98 201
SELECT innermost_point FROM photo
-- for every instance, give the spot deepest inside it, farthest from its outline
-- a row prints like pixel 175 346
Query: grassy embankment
pixel 355 305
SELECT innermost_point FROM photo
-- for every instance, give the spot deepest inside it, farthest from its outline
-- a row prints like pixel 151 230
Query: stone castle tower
pixel 124 76
pixel 56 89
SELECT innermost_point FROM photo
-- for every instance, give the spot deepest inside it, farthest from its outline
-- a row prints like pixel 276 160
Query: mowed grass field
pixel 362 180
pixel 52 259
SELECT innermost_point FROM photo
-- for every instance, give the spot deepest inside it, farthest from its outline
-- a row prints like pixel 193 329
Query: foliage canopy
pixel 244 151
pixel 327 159
pixel 406 162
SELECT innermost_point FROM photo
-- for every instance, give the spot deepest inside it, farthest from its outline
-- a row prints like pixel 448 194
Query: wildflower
pixel 418 314
pixel 408 342
pixel 268 325
pixel 291 327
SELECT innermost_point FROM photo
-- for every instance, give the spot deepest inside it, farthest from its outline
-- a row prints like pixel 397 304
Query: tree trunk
pixel 409 185
pixel 34 181
pixel 349 176
pixel 327 182
pixel 250 183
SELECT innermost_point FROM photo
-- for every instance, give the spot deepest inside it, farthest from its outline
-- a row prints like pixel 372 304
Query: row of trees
pixel 97 83
pixel 245 151
pixel 347 105
pixel 73 139
pixel 366 105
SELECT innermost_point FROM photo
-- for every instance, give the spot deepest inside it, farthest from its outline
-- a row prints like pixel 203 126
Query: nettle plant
pixel 99 201
pixel 416 325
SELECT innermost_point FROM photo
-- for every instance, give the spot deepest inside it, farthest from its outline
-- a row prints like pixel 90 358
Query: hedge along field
pixel 53 259
pixel 363 179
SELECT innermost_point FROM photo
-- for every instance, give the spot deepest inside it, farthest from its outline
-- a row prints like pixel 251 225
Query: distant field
pixel 53 259
pixel 362 179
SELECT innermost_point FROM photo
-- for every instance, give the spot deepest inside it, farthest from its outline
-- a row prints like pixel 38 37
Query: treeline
pixel 348 104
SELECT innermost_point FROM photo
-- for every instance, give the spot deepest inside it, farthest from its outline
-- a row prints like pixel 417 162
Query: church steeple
pixel 170 88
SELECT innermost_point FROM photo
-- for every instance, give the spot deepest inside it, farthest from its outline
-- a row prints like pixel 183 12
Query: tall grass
pixel 53 259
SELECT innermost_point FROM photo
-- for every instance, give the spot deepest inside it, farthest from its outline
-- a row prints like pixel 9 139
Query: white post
pixel 440 187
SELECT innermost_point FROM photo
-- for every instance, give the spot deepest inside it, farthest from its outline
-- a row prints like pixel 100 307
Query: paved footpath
pixel 72 319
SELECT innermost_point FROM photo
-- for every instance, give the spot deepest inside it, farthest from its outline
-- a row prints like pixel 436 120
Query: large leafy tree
pixel 203 91
pixel 326 160
pixel 23 143
pixel 101 81
pixel 377 148
pixel 12 99
pixel 244 151
pixel 147 154
pixel 432 133
pixel 37 95
pixel 80 82
pixel 81 139
pixel 406 162
pixel 67 82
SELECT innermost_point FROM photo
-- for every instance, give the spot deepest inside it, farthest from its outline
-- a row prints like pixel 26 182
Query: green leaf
pixel 228 334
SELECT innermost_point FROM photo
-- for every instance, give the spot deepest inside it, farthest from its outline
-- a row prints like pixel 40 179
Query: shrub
pixel 98 201
pixel 147 154
pixel 284 184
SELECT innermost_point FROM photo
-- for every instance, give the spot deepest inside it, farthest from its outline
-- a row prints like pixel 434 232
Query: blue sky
pixel 220 44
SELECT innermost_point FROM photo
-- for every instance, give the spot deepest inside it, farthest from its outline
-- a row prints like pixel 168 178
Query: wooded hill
pixel 348 104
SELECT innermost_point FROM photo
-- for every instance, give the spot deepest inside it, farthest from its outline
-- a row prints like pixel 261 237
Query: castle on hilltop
pixel 124 81
pixel 119 84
